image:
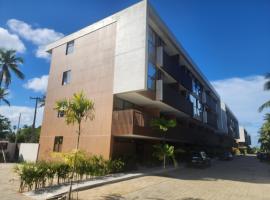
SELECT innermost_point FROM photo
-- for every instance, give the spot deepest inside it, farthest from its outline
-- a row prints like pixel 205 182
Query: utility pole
pixel 37 99
pixel 18 128
pixel 16 153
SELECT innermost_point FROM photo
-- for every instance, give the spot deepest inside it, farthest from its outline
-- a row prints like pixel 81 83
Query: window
pixel 70 47
pixel 197 107
pixel 154 41
pixel 151 76
pixel 60 114
pixel 58 141
pixel 66 77
pixel 196 87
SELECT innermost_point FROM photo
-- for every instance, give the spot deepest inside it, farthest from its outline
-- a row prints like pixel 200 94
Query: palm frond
pixel 3 94
pixel 9 62
pixel 16 71
pixel 6 101
pixel 266 85
pixel 264 106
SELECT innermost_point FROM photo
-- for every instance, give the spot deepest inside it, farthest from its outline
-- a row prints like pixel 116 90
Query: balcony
pixel 170 64
pixel 212 119
pixel 131 121
pixel 175 99
pixel 211 103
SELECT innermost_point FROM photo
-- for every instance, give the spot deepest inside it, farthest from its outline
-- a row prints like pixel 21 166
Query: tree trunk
pixel 164 161
pixel 74 163
pixel 4 156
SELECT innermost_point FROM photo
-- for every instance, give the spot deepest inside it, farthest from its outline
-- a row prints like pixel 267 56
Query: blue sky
pixel 229 40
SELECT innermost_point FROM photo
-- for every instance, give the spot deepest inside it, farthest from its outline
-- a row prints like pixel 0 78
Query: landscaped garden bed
pixel 38 175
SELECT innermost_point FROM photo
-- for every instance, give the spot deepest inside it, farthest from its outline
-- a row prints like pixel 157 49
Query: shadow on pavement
pixel 119 197
pixel 242 168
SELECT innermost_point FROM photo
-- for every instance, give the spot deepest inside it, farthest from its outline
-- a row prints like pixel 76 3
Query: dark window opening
pixel 58 141
pixel 66 77
pixel 60 114
pixel 70 47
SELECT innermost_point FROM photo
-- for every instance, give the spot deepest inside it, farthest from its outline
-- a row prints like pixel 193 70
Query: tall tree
pixel 76 110
pixel 9 62
pixel 266 87
pixel 3 95
pixel 5 127
pixel 264 137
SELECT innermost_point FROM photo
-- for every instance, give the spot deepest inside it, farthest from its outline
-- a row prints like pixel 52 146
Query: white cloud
pixel 244 96
pixel 10 41
pixel 38 36
pixel 38 84
pixel 27 114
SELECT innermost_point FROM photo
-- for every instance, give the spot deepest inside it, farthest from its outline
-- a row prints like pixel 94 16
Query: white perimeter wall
pixel 28 152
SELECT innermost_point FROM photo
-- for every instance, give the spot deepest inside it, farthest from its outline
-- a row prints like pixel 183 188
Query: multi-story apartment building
pixel 244 138
pixel 134 69
pixel 229 123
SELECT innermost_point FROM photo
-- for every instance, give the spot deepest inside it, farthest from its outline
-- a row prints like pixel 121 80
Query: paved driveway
pixel 9 183
pixel 244 178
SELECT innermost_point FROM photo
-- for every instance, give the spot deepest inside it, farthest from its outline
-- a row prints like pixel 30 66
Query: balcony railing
pixel 212 119
pixel 175 99
pixel 170 64
pixel 211 103
pixel 131 121
pixel 134 122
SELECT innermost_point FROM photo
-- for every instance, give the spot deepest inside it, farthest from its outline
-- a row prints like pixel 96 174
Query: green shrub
pixel 116 165
pixel 236 151
pixel 163 151
pixel 44 173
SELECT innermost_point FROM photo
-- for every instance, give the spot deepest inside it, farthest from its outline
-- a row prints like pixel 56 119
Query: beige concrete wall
pixel 92 66
pixel 130 53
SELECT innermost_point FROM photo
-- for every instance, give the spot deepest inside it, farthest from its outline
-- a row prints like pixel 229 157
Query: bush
pixel 236 151
pixel 45 173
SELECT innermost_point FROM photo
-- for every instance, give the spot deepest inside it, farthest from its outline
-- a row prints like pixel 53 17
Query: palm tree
pixel 3 94
pixel 76 110
pixel 9 62
pixel 266 87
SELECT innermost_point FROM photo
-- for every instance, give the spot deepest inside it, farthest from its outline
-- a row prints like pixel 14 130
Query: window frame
pixel 58 143
pixel 66 80
pixel 70 47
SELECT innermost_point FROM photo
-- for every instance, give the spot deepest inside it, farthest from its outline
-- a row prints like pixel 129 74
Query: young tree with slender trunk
pixel 163 150
pixel 76 110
